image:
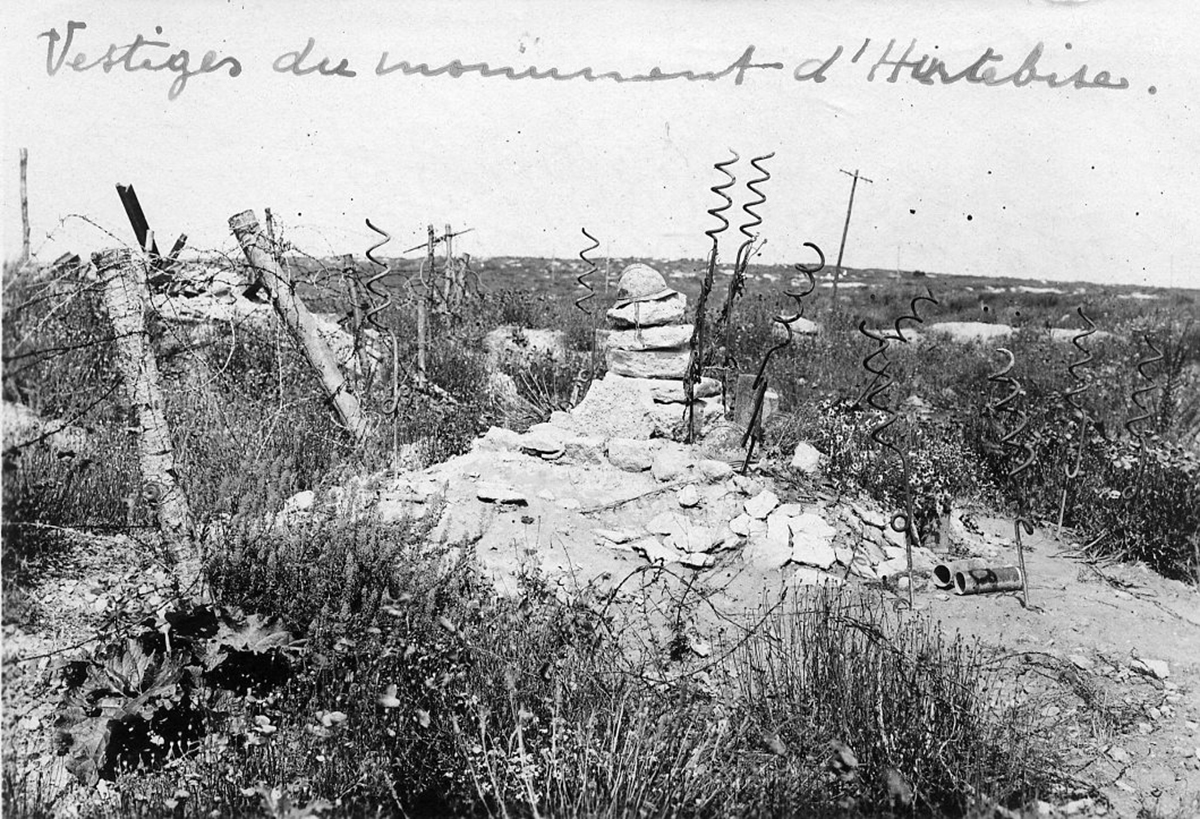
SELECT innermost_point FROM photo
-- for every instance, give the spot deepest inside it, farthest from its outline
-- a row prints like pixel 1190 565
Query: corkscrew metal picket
pixel 760 380
pixel 881 381
pixel 1146 413
pixel 580 303
pixel 737 283
pixel 378 301
pixel 1071 470
pixel 591 270
pixel 696 343
pixel 1008 439
pixel 914 316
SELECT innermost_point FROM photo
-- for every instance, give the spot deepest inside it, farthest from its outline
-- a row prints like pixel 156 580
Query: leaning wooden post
pixel 299 321
pixel 126 297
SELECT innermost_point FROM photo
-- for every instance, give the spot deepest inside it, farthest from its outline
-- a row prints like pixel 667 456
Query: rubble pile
pixel 587 504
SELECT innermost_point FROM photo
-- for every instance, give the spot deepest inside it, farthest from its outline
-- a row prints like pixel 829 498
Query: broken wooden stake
pixel 300 323
pixel 126 297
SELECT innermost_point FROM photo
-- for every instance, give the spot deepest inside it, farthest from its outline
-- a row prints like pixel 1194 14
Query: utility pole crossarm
pixel 837 271
pixel 857 175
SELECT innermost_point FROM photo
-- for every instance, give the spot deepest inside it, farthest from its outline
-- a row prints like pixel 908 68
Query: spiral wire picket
pixel 760 379
pixel 1008 439
pixel 696 343
pixel 1071 470
pixel 745 252
pixel 1134 425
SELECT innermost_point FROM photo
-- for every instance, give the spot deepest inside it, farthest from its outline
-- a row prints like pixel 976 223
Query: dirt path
pixel 1087 653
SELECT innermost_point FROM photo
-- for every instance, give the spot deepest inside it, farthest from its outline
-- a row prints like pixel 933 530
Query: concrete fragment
pixel 740 525
pixel 583 450
pixel 617 407
pixel 799 327
pixel 498 439
pixel 688 497
pixel 806 458
pixel 670 462
pixel 765 552
pixel 812 540
pixel 300 502
pixel 714 470
pixel 747 485
pixel 669 420
pixel 1158 669
pixel 630 455
pixel 871 517
pixel 791 510
pixel 656 552
pixel 509 342
pixel 761 504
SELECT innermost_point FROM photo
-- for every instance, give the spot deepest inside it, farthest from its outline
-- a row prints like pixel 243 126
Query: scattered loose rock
pixel 806 458
pixel 761 504
pixel 714 470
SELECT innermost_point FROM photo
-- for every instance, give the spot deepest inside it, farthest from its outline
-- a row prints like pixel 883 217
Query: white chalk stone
pixel 761 504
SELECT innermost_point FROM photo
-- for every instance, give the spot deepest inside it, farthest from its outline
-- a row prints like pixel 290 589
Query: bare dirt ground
pixel 1114 653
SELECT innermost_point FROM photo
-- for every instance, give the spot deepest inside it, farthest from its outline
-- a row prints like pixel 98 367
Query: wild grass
pixel 419 691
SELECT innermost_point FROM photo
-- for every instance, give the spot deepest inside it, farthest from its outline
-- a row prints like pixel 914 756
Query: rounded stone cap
pixel 641 282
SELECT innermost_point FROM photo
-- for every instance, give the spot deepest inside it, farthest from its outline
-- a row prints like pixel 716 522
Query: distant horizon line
pixel 200 254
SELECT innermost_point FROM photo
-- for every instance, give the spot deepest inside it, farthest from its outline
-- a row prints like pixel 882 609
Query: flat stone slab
pixel 668 310
pixel 498 493
pixel 666 337
pixel 672 364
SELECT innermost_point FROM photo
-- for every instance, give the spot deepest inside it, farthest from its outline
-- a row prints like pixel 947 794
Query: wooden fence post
pixel 299 321
pixel 126 297
pixel 24 206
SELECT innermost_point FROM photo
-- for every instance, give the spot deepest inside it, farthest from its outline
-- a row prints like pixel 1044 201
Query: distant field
pixel 863 292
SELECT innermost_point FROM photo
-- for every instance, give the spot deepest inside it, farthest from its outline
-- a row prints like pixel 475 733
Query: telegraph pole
pixel 846 229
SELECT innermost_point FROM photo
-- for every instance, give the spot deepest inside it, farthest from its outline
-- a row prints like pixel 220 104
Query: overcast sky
pixel 1053 183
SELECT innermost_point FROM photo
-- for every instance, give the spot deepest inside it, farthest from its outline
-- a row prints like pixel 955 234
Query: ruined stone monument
pixel 646 349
